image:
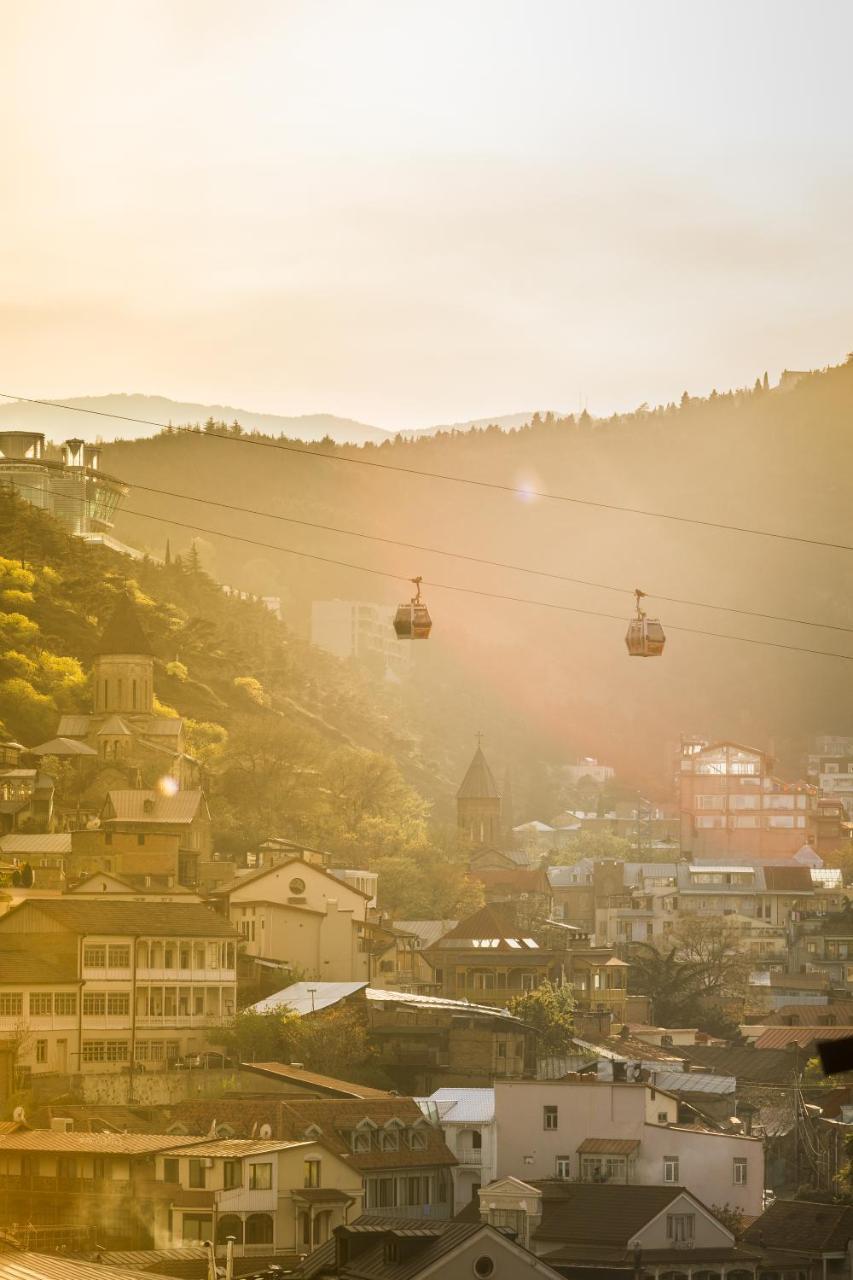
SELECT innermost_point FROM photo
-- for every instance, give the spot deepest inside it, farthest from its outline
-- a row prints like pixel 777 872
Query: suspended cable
pixel 473 591
pixel 444 476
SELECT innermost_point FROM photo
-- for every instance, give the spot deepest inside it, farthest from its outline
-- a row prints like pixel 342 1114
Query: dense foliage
pixel 292 742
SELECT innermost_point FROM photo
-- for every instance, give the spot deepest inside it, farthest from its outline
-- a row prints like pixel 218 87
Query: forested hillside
pixel 544 684
pixel 292 742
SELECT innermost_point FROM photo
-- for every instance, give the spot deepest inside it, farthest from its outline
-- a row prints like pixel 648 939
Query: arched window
pixel 259 1229
pixel 229 1225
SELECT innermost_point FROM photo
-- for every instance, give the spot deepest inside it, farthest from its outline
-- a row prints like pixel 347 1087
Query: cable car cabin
pixel 645 638
pixel 412 620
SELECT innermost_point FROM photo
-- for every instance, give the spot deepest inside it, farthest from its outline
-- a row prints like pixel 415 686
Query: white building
pixel 593 1131
pixel 467 1119
pixel 360 631
pixel 590 768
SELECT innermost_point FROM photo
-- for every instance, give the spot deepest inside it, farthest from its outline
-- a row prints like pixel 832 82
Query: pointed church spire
pixel 124 633
pixel 478 801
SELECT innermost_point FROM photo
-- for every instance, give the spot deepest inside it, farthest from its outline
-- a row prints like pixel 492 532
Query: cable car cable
pixel 438 475
pixel 475 591
pixel 459 555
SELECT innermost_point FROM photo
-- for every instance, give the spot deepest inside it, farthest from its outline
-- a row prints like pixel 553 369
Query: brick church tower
pixel 478 802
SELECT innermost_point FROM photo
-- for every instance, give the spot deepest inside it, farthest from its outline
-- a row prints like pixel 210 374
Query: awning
pixel 608 1146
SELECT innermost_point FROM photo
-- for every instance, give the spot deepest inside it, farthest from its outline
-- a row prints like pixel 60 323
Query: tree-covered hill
pixel 544 684
pixel 292 742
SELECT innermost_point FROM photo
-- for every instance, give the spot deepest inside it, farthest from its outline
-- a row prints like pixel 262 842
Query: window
pixel 484 1267
pixel 41 1004
pixel 94 1002
pixel 185 957
pixel 11 1004
pixel 680 1227
pixel 389 1140
pixel 564 1166
pixel 417 1140
pixel 171 1169
pixel 739 1167
pixel 232 1174
pixel 197 1226
pixel 118 1003
pixel 197 1173
pixel 361 1141
pixel 65 1002
pixel 94 957
pixel 311 1173
pixel 99 1168
pixel 670 1168
pixel 41 1054
pixel 104 1051
pixel 297 886
pixel 260 1177
pixel 549 1118
pixel 663 1116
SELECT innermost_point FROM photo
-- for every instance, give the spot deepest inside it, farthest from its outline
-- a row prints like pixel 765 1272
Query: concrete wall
pixel 623 1111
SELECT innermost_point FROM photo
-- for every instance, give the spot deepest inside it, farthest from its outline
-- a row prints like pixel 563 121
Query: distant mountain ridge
pixel 58 424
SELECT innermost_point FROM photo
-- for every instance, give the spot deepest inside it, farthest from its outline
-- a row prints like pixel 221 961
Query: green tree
pixel 549 1009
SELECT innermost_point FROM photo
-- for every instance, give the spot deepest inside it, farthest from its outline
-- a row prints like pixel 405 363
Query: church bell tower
pixel 478 802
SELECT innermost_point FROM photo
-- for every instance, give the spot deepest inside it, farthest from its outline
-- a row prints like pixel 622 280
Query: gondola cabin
pixel 412 620
pixel 645 638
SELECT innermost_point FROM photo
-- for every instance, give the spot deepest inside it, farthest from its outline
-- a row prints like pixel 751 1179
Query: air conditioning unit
pixel 62 1124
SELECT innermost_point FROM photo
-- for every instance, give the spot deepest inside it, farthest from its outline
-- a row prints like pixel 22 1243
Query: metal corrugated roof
pixel 56 843
pixel 693 1082
pixel 113 1144
pixel 463 1106
pixel 42 1266
pixel 308 997
pixel 427 931
pixel 130 806
pixel 609 1146
pixel 782 1037
pixel 234 1148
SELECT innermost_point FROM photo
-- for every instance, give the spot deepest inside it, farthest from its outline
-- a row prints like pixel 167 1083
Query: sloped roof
pixel 438 1239
pixel 124 633
pixel 309 997
pixel 427 931
pixel 803 1037
pixel 756 1066
pixel 804 1226
pixel 37 958
pixel 788 879
pixel 496 923
pixel 43 1266
pixel 314 1080
pixel 56 842
pixel 114 727
pixel 130 806
pixel 479 782
pixel 588 1213
pixel 335 1118
pixel 104 915
pixel 462 1106
pixel 102 1143
pixel 73 726
pixel 609 1146
pixel 64 746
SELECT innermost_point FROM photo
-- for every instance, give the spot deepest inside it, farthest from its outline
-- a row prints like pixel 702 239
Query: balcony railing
pixel 470 1155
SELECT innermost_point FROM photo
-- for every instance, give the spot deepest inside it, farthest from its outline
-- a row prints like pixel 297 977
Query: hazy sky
pixel 420 211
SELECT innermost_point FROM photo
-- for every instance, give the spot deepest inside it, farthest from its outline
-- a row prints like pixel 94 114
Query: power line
pixel 494 564
pixel 457 555
pixel 439 475
pixel 475 591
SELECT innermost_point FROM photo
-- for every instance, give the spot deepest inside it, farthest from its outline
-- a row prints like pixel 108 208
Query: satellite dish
pixel 19 1115
pixel 265 1131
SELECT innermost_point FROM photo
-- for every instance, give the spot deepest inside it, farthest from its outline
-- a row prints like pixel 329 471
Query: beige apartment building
pixel 296 914
pixel 593 1131
pixel 91 986
pixel 265 1194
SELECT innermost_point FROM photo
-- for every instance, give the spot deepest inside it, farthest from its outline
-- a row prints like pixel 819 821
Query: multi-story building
pixel 71 487
pixel 422 1042
pixel 134 836
pixel 26 793
pixel 265 1194
pixel 732 804
pixel 491 957
pixel 402 1158
pixel 358 631
pixel 594 1131
pixel 467 1119
pixel 63 1190
pixel 297 915
pixel 93 986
